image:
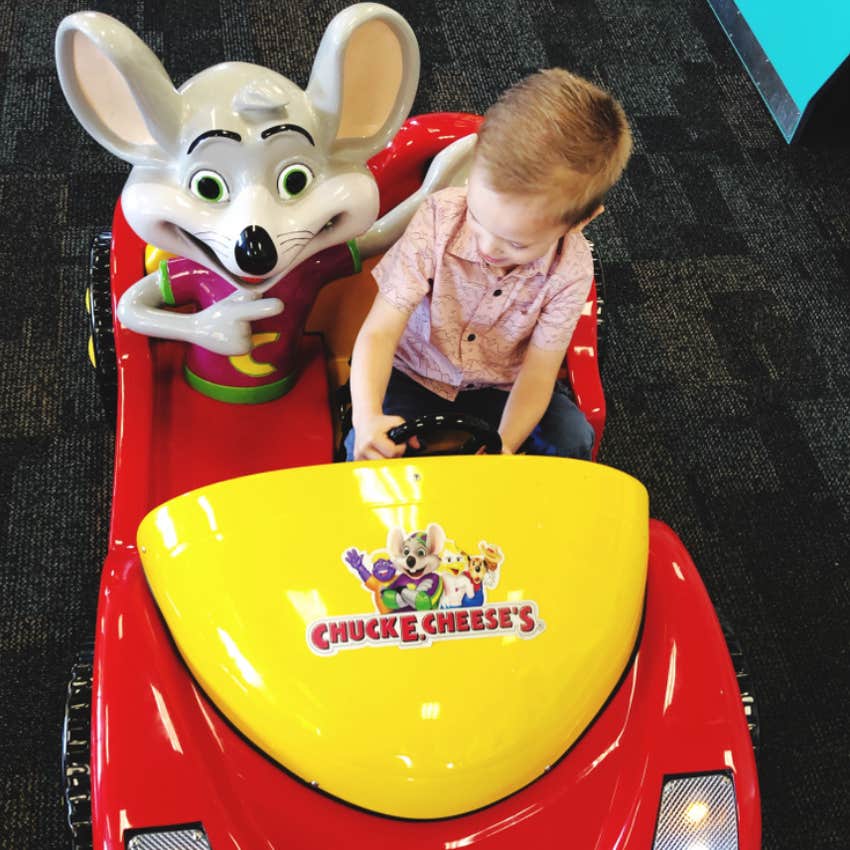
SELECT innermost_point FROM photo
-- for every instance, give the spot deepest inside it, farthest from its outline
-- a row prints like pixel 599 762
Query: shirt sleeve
pixel 560 313
pixel 406 272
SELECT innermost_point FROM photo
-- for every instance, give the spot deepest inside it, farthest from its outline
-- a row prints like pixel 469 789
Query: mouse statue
pixel 258 190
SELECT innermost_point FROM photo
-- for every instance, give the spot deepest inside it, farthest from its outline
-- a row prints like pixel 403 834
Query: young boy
pixel 478 300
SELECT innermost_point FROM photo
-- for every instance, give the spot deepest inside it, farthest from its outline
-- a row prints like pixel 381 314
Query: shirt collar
pixel 461 244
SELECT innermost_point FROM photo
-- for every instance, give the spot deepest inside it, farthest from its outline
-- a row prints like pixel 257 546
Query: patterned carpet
pixel 727 370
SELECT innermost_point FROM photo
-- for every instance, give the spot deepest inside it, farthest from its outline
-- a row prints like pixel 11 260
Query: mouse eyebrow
pixel 283 128
pixel 225 134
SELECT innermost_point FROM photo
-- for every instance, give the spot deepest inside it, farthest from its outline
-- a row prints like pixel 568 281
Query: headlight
pixel 697 813
pixel 190 837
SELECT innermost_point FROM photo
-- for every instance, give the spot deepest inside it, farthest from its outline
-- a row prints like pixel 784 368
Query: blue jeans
pixel 563 431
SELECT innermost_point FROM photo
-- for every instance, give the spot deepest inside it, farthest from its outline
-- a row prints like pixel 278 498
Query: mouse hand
pixel 225 327
pixel 409 595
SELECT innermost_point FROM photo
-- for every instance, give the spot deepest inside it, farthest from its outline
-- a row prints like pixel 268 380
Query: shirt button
pixel 471 338
pixel 497 293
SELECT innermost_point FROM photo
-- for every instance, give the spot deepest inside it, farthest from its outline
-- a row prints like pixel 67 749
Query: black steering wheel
pixel 447 434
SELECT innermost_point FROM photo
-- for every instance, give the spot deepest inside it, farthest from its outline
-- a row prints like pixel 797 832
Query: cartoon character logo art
pixel 425 588
pixel 408 580
pixel 470 576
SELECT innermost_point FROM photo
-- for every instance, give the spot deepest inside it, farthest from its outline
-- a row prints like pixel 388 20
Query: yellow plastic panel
pixel 418 713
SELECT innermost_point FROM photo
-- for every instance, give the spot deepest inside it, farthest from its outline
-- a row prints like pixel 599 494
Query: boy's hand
pixel 371 441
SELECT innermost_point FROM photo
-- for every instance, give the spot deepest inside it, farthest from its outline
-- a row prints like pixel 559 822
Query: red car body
pixel 162 756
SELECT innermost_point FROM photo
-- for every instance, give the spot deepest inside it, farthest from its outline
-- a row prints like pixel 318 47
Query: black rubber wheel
pixel 102 332
pixel 745 684
pixel 601 315
pixel 76 750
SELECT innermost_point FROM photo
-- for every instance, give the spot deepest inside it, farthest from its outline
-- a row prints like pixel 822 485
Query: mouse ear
pixel 436 538
pixel 395 541
pixel 364 79
pixel 117 88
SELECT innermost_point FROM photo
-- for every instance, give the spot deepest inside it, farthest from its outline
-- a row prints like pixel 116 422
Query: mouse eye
pixel 209 186
pixel 293 180
pixel 421 553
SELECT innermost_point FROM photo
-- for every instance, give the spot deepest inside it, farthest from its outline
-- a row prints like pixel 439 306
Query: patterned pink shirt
pixel 470 327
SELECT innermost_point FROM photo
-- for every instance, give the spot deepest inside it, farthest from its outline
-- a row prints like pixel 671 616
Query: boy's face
pixel 509 230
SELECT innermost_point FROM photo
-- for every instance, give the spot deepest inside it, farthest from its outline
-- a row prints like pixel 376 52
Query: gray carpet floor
pixel 727 371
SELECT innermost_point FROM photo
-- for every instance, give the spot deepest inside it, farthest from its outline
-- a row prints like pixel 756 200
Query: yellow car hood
pixel 419 695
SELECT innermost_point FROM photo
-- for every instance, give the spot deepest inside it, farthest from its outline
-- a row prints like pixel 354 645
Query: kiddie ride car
pixel 429 652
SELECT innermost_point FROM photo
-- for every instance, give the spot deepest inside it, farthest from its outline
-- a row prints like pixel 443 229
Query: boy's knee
pixel 575 444
pixel 582 446
pixel 574 439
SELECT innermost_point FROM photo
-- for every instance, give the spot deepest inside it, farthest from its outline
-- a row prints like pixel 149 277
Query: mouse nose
pixel 411 561
pixel 255 252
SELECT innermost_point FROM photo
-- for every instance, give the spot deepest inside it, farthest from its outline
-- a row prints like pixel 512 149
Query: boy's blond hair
pixel 557 136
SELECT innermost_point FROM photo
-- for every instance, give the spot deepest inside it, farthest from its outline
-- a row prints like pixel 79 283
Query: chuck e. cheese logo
pixel 424 590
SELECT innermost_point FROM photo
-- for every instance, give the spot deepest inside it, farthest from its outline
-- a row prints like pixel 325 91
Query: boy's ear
pixel 584 222
pixel 364 79
pixel 117 88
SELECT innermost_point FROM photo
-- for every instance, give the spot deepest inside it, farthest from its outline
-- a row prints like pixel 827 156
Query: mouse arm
pixel 449 167
pixel 224 327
